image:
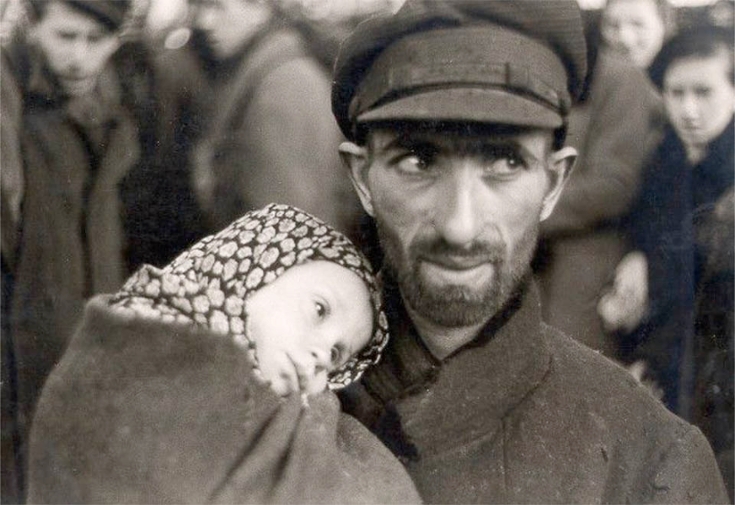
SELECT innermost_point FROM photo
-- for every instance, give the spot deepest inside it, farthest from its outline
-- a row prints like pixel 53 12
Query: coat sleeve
pixel 145 412
pixel 687 472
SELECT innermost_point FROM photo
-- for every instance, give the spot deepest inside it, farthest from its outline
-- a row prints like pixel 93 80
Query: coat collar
pixel 508 359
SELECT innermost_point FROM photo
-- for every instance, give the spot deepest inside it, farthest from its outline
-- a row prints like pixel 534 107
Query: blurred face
pixel 458 213
pixel 76 46
pixel 699 98
pixel 228 25
pixel 308 322
pixel 633 28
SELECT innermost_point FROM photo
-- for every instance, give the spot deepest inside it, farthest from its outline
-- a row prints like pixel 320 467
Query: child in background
pixel 190 385
pixel 282 284
pixel 675 289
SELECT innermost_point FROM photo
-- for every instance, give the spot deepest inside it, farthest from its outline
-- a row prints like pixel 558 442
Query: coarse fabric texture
pixel 209 283
pixel 140 411
pixel 525 414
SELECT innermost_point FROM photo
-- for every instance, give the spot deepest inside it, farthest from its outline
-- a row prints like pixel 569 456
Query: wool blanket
pixel 139 411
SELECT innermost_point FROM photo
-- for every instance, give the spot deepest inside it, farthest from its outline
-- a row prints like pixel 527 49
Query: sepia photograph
pixel 367 251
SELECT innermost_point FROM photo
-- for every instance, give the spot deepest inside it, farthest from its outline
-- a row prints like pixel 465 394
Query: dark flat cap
pixel 110 13
pixel 517 62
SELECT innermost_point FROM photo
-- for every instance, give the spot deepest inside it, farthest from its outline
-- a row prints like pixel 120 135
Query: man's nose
pixel 80 52
pixel 458 218
pixel 689 107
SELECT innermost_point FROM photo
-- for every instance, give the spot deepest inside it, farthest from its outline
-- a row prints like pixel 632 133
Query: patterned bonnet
pixel 207 284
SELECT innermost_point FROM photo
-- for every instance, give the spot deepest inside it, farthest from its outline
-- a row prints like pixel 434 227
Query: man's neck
pixel 439 340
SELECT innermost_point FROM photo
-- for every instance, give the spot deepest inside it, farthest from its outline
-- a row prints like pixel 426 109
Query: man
pixel 455 112
pixel 255 121
pixel 73 128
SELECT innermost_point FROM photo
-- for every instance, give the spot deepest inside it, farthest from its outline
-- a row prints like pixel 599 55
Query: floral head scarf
pixel 209 283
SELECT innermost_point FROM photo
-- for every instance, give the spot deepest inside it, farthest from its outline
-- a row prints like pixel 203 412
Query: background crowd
pixel 127 136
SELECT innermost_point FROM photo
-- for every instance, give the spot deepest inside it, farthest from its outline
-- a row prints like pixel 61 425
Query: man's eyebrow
pixel 407 141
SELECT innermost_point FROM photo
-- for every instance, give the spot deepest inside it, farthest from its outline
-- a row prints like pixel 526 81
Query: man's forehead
pixel 457 135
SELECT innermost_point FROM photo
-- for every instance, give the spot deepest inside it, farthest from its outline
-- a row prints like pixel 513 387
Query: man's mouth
pixel 466 271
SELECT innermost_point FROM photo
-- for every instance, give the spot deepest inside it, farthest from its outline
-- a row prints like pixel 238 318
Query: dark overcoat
pixel 525 414
pixel 69 235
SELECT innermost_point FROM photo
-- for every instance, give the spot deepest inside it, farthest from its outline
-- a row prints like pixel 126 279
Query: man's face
pixel 76 46
pixel 699 97
pixel 228 25
pixel 633 28
pixel 458 212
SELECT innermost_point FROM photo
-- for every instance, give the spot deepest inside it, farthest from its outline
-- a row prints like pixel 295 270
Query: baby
pixel 161 396
pixel 293 292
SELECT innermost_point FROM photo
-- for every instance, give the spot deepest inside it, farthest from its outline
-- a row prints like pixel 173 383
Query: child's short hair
pixel 700 42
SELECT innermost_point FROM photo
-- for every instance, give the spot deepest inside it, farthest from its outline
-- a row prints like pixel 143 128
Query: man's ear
pixel 355 159
pixel 560 167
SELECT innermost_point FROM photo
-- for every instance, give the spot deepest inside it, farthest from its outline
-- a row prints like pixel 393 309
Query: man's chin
pixel 452 306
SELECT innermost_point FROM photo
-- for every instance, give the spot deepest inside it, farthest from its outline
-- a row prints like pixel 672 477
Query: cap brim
pixel 492 106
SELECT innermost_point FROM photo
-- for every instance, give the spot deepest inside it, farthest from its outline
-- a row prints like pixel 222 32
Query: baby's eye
pixel 321 309
pixel 336 354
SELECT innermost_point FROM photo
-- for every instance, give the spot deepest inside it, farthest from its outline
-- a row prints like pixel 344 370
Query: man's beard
pixel 455 306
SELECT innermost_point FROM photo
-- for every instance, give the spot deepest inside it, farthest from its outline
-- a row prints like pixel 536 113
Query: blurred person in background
pixel 678 282
pixel 78 146
pixel 636 29
pixel 614 126
pixel 254 117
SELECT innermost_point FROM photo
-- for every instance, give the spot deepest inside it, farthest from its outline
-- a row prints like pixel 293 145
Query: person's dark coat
pixel 614 130
pixel 70 240
pixel 78 179
pixel 684 225
pixel 257 128
pixel 141 411
pixel 676 201
pixel 524 414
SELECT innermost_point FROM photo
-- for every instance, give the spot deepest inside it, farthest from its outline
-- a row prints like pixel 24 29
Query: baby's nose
pixel 322 358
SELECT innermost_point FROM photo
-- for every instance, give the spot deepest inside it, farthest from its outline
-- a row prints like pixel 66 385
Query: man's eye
pixel 416 161
pixel 67 36
pixel 504 163
pixel 702 92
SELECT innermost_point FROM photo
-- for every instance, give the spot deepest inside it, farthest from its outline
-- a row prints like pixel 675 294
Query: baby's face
pixel 306 323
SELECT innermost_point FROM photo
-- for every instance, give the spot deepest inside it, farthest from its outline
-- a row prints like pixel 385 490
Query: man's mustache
pixel 477 252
